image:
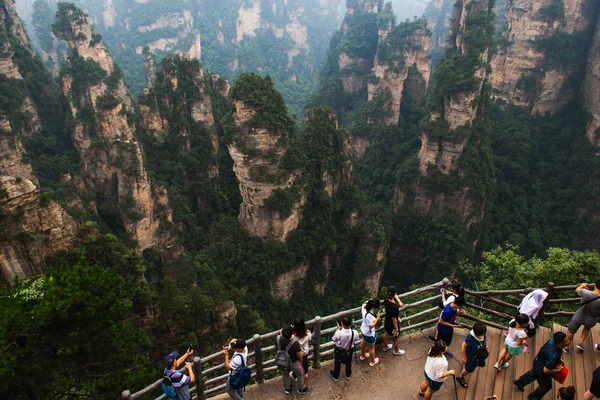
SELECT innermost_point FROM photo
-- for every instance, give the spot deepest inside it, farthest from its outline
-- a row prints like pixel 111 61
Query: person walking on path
pixel 239 359
pixel 533 305
pixel 436 370
pixel 446 325
pixel 594 392
pixel 179 381
pixel 344 338
pixel 302 336
pixel 367 328
pixel 286 342
pixel 514 341
pixel 588 313
pixel 473 349
pixel 392 325
pixel 545 364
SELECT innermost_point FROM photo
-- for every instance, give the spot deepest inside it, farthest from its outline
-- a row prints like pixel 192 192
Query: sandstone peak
pixel 74 26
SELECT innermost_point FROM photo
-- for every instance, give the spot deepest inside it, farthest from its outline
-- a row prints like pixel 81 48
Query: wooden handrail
pixel 211 377
pixel 315 323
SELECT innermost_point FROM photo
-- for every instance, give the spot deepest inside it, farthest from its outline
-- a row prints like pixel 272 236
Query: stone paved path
pixel 395 377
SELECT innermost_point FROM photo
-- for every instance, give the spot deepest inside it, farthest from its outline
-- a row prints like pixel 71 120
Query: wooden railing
pixel 261 357
pixel 212 380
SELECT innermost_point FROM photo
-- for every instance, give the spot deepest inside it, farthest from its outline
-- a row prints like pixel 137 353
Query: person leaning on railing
pixel 587 314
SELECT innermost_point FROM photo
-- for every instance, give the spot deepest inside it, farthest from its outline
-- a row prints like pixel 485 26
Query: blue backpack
pixel 168 388
pixel 241 377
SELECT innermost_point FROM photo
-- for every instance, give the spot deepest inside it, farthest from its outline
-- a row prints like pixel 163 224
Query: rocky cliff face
pixel 591 88
pixel 403 55
pixel 19 116
pixel 525 69
pixel 358 42
pixel 180 93
pixel 105 138
pixel 455 117
pixel 257 153
pixel 32 228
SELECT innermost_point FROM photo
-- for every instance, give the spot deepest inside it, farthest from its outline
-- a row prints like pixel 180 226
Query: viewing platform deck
pixel 398 377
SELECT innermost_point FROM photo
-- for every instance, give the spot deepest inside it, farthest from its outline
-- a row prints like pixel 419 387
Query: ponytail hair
pixel 458 288
pixel 567 393
pixel 373 303
pixel 438 348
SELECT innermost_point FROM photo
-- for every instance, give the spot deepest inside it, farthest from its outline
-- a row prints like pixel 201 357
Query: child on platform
pixel 514 341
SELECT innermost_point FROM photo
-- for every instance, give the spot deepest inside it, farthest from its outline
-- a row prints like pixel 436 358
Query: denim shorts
pixel 433 385
pixel 370 339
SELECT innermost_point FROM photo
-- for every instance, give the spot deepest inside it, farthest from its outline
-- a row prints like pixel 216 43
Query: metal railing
pixel 212 380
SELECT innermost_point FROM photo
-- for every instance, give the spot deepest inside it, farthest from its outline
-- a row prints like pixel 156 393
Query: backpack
pixel 241 377
pixel 168 388
pixel 282 357
pixel 481 354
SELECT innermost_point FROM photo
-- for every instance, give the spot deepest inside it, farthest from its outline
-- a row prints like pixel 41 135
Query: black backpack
pixel 481 354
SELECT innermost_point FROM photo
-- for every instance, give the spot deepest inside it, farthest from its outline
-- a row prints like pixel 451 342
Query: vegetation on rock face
pixel 91 334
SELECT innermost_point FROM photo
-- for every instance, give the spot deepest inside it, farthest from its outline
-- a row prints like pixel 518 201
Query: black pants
pixel 337 365
pixel 446 337
pixel 544 380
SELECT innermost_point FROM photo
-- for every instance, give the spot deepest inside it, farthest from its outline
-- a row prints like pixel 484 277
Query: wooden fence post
pixel 316 342
pixel 260 378
pixel 126 395
pixel 199 378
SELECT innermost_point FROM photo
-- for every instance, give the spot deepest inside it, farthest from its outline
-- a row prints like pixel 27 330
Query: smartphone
pixel 490 398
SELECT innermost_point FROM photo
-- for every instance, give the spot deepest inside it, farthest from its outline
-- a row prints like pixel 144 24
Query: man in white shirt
pixel 344 339
pixel 234 366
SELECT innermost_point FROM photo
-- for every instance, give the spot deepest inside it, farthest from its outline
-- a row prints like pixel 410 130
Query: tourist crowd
pixel 292 347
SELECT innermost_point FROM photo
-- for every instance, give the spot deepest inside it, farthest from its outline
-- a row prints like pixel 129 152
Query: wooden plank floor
pixel 398 377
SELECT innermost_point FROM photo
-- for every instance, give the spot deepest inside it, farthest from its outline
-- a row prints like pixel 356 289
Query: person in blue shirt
pixel 446 324
pixel 475 340
pixel 545 364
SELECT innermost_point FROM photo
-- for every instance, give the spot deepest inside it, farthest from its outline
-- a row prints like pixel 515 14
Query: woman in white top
pixel 514 341
pixel 532 305
pixel 367 328
pixel 436 370
pixel 302 336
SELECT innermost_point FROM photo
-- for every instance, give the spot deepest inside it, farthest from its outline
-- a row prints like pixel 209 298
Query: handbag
pixel 343 354
pixel 561 376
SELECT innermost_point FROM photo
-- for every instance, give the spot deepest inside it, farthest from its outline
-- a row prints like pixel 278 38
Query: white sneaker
pixel 386 348
pixel 400 352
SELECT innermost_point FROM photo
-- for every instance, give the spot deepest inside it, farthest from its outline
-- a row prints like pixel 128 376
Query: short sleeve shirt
pixel 236 360
pixel 590 313
pixel 514 334
pixel 448 315
pixel 392 311
pixel 549 357
pixel 180 383
pixel 293 350
pixel 368 319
